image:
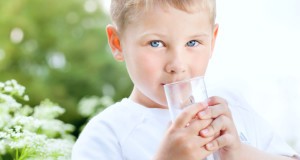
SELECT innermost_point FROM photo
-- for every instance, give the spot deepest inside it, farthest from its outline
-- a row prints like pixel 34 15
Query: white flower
pixel 26 110
pixel 2 147
pixel 20 90
pixel 106 101
pixel 1 85
pixel 59 147
pixel 4 135
pixel 8 83
pixel 13 88
pixel 89 106
pixel 4 119
pixel 14 82
pixel 31 130
pixel 9 102
pixel 47 110
pixel 28 122
pixel 54 128
pixel 26 98
pixel 8 89
pixel 18 128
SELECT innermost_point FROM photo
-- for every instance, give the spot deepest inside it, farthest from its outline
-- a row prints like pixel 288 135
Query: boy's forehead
pixel 155 13
pixel 161 21
pixel 185 5
pixel 141 8
pixel 146 10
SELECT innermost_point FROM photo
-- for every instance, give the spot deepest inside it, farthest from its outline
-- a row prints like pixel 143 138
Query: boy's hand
pixel 182 140
pixel 228 141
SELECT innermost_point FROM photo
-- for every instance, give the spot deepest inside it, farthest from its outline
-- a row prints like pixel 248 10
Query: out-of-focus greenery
pixel 31 134
pixel 90 106
pixel 58 50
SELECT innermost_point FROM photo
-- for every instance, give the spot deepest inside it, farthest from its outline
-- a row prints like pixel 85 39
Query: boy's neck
pixel 141 99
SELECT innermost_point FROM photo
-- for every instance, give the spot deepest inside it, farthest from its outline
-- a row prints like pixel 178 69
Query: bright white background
pixel 258 53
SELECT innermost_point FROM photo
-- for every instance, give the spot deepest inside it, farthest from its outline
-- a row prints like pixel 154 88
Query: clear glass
pixel 181 94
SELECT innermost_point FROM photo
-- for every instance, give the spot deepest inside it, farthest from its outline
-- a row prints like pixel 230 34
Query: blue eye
pixel 156 44
pixel 192 43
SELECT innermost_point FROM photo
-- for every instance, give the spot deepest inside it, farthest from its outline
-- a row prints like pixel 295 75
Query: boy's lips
pixel 171 82
pixel 166 83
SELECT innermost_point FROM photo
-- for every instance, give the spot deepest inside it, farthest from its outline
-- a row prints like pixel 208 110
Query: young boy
pixel 163 41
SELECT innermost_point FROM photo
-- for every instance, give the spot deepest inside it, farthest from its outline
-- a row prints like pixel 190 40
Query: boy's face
pixel 163 46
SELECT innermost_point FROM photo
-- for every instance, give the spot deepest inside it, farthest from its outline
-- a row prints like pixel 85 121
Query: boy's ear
pixel 114 42
pixel 214 38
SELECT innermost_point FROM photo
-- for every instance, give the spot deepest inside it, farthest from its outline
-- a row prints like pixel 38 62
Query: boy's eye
pixel 156 44
pixel 192 43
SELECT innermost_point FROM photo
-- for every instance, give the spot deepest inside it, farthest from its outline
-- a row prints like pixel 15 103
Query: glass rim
pixel 184 81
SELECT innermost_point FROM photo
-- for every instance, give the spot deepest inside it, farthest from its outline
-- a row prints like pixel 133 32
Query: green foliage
pixel 28 133
pixel 90 106
pixel 58 50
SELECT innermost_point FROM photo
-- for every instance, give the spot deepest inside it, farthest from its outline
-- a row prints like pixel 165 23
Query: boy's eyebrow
pixel 164 35
pixel 199 35
pixel 152 34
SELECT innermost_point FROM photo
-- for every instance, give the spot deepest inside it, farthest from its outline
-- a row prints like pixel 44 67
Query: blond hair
pixel 124 11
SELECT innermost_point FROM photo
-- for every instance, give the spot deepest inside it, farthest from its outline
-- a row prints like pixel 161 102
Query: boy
pixel 163 41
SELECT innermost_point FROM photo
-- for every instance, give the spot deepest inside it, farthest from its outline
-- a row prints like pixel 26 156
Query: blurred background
pixel 58 50
pixel 257 53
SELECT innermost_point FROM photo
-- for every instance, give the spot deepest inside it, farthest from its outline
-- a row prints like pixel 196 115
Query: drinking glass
pixel 182 94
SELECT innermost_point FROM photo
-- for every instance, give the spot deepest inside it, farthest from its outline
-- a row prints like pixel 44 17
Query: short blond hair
pixel 124 11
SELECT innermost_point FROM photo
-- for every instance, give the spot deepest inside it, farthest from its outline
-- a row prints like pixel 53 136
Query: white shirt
pixel 130 131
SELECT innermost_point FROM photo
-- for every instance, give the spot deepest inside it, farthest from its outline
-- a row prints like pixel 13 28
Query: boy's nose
pixel 175 66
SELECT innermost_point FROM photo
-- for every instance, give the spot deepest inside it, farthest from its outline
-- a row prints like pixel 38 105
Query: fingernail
pixel 209 146
pixel 204 131
pixel 202 113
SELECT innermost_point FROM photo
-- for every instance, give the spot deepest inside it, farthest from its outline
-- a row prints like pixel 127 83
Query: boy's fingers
pixel 196 125
pixel 201 142
pixel 204 151
pixel 215 111
pixel 219 142
pixel 219 124
pixel 188 114
pixel 215 100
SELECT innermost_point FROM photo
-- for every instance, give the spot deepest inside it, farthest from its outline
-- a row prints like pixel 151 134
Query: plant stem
pixel 25 153
pixel 17 154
